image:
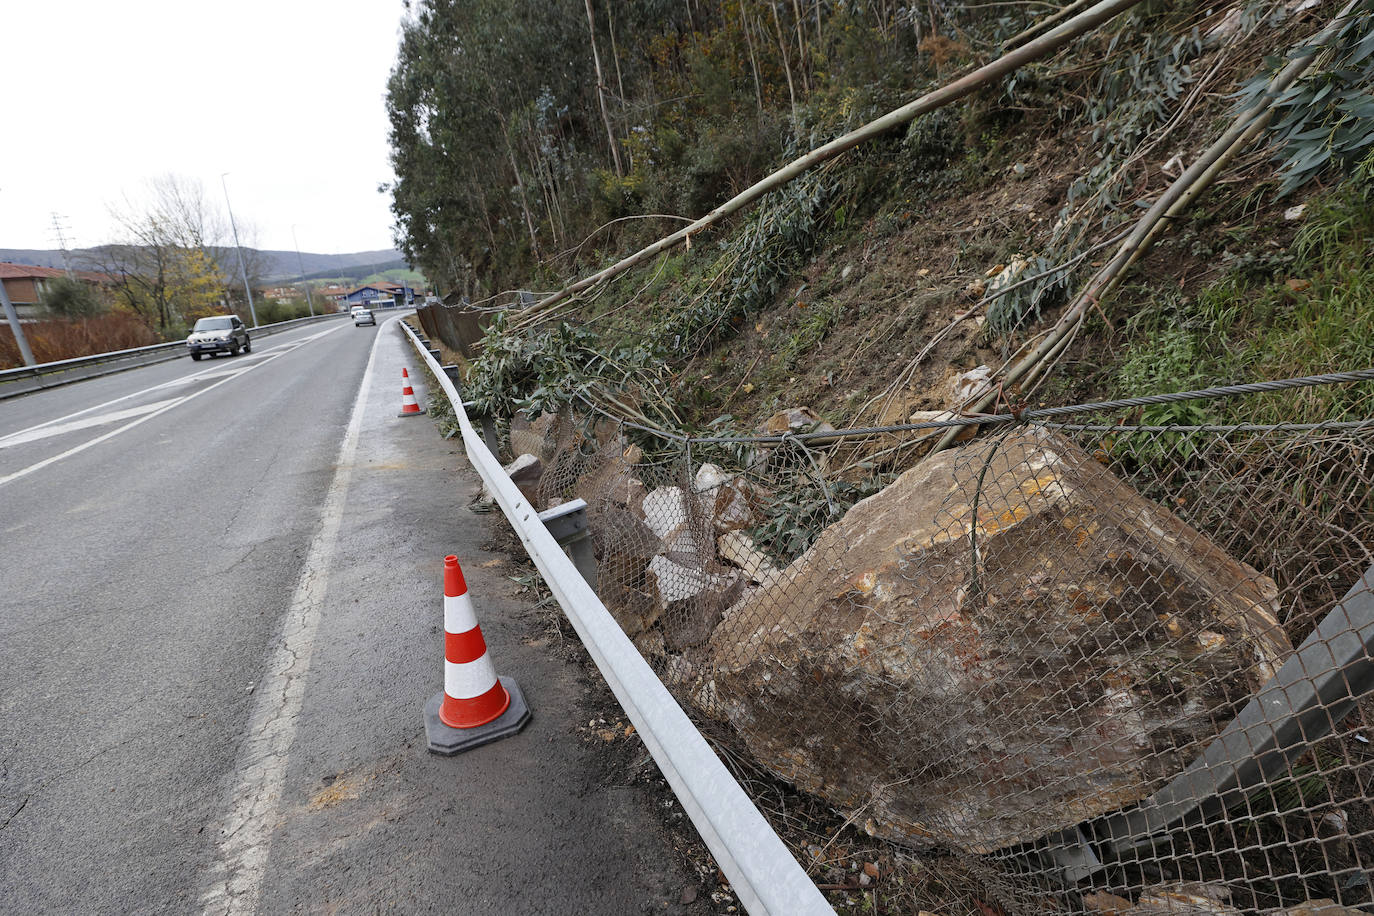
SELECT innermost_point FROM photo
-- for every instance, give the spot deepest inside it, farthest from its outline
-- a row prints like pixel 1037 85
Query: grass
pixel 1313 316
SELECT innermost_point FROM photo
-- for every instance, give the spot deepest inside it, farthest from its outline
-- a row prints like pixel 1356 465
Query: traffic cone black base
pixel 449 741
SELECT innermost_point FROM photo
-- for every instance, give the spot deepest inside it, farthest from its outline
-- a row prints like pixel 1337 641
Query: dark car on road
pixel 218 334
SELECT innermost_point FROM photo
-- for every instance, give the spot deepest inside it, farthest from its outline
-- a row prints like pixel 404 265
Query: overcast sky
pixel 284 95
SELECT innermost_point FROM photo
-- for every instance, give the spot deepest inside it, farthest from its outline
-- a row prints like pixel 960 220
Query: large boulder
pixel 1006 641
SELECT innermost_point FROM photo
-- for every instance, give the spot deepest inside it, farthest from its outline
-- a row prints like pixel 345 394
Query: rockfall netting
pixel 1108 667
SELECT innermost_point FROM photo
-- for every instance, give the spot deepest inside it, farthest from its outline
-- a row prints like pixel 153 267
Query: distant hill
pixel 278 265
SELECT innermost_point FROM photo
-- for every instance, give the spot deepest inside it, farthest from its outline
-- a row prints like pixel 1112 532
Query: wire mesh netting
pixel 1108 667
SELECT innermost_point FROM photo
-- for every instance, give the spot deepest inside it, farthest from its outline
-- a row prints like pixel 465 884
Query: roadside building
pixel 26 284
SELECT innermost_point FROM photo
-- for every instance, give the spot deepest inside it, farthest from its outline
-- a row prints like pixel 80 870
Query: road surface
pixel 221 615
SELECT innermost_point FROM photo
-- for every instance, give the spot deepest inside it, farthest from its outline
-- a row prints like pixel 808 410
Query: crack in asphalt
pixel 233 883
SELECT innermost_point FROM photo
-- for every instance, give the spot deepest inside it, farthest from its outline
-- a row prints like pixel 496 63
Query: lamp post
pixel 301 265
pixel 243 271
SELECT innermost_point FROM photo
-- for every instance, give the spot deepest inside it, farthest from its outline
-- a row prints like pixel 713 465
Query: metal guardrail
pixel 764 875
pixel 66 371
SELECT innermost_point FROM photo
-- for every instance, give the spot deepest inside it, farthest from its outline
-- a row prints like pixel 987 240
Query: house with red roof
pixel 25 284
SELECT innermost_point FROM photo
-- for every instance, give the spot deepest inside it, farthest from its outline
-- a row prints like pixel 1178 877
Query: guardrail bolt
pixel 568 525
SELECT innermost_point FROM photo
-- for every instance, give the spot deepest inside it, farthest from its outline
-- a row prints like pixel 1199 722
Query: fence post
pixel 568 525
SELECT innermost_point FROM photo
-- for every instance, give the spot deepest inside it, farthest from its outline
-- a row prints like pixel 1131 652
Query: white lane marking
pixel 260 356
pixel 114 416
pixel 234 883
pixel 170 405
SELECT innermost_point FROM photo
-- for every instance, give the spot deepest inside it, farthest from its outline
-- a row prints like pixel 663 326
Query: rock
pixel 669 515
pixel 624 545
pixel 1101 903
pixel 728 500
pixel 525 471
pixel 1322 906
pixel 1194 898
pixel 689 600
pixel 969 705
pixel 969 385
pixel 738 548
pixel 794 420
pixel 539 437
pixel 611 482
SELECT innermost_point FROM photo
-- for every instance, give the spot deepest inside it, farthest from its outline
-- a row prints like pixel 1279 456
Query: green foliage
pixel 1327 117
pixel 1246 326
pixel 550 369
pixel 782 231
pixel 819 318
pixel 67 297
pixel 804 505
pixel 1046 284
pixel 271 311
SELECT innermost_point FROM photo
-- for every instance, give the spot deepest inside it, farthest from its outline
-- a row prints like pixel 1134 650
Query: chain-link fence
pixel 1109 667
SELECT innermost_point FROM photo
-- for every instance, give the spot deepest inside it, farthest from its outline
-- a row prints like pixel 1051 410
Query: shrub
pixel 66 297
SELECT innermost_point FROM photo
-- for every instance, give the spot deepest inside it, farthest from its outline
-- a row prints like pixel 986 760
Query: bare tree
pixel 164 262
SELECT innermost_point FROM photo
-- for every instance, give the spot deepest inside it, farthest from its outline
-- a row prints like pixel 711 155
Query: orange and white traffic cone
pixel 475 706
pixel 409 406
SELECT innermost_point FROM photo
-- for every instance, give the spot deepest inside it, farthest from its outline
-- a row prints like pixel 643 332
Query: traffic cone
pixel 475 707
pixel 409 406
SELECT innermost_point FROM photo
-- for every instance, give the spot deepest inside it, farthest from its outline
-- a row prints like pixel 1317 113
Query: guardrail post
pixel 568 525
pixel 434 352
pixel 455 376
pixel 489 436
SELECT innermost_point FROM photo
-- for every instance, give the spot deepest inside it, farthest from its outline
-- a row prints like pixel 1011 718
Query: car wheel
pixel 247 345
pixel 195 357
pixel 233 349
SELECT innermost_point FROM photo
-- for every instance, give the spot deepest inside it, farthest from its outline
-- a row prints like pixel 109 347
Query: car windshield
pixel 213 324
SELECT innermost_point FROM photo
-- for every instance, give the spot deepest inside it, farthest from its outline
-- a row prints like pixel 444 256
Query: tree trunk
pixel 945 95
pixel 753 60
pixel 524 201
pixel 786 66
pixel 601 93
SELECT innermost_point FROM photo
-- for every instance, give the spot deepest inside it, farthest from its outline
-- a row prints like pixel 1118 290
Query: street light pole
pixel 243 271
pixel 301 265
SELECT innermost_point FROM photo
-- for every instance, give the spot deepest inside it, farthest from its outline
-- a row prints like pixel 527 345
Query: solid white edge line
pixel 234 882
pixel 76 449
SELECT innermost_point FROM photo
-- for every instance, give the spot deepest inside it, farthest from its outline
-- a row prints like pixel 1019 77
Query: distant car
pixel 218 334
pixel 362 316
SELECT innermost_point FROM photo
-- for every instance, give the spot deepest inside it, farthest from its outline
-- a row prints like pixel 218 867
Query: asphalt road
pixel 221 615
